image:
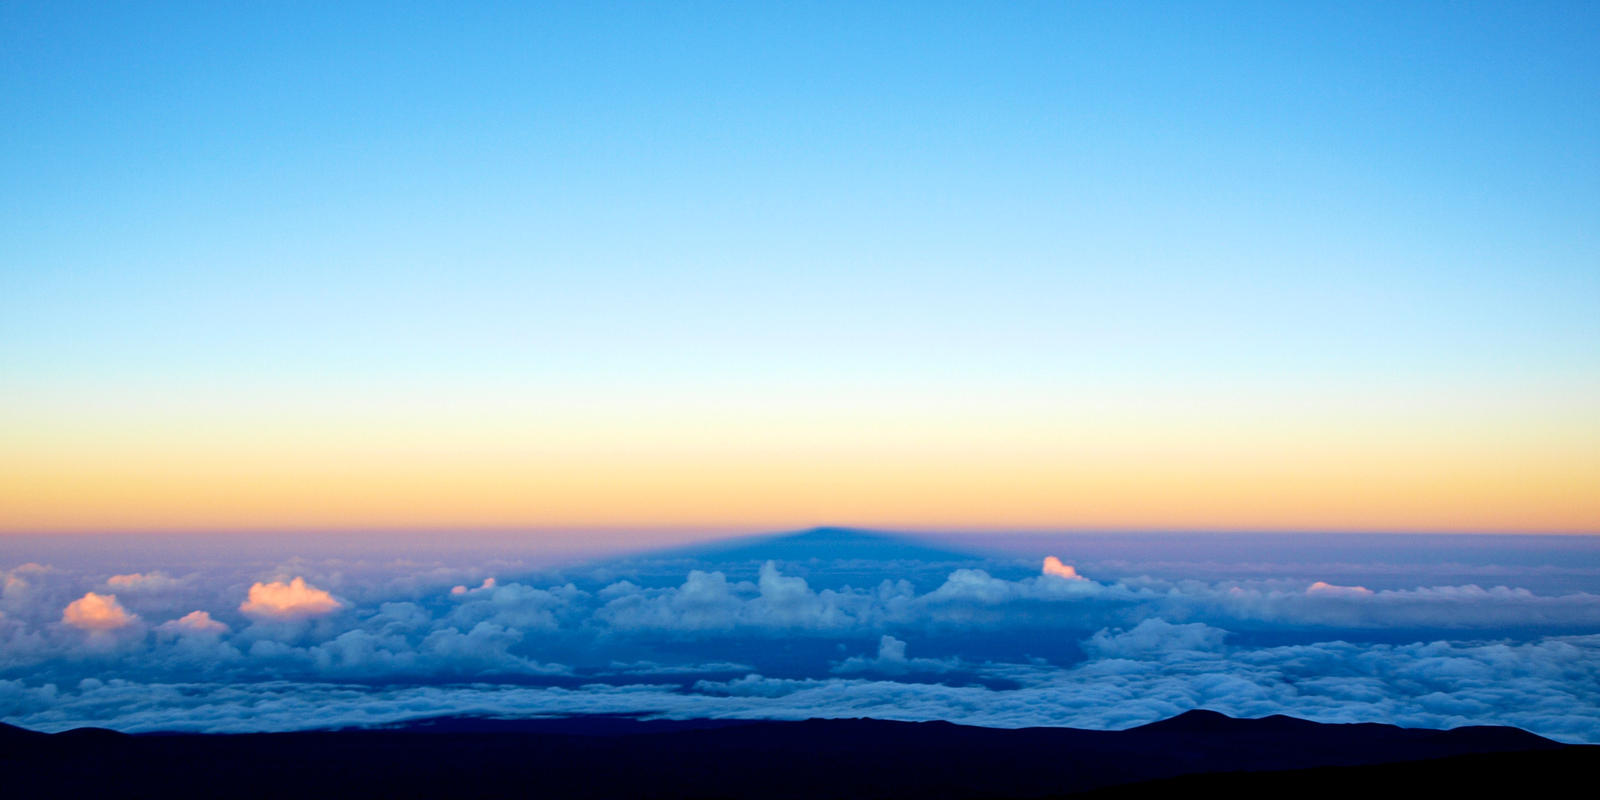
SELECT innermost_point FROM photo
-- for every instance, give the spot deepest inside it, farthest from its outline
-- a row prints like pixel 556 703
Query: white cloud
pixel 891 649
pixel 194 622
pixel 19 583
pixel 1326 589
pixel 892 660
pixel 487 585
pixel 705 601
pixel 484 650
pixel 97 612
pixel 142 582
pixel 1156 637
pixel 1053 566
pixel 708 601
pixel 293 600
pixel 518 606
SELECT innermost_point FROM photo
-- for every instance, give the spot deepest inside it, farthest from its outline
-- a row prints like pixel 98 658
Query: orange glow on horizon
pixel 1191 464
pixel 1171 491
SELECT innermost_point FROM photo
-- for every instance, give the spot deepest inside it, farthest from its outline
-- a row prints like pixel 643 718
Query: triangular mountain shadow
pixel 817 545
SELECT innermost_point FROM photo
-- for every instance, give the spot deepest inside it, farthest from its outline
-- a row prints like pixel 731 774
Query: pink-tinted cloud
pixel 14 582
pixel 97 612
pixel 195 622
pixel 137 582
pixel 488 583
pixel 293 600
pixel 1054 566
pixel 1325 589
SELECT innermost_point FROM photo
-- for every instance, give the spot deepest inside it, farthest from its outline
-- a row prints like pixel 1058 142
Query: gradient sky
pixel 759 266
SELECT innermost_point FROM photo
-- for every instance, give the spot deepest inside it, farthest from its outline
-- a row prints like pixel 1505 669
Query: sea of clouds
pixel 997 640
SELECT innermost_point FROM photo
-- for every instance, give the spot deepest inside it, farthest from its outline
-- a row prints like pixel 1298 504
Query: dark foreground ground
pixel 595 757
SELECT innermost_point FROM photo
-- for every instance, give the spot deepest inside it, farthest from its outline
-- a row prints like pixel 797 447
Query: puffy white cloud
pixel 1325 589
pixel 460 590
pixel 708 601
pixel 1053 566
pixel 976 586
pixel 142 582
pixel 194 622
pixel 97 612
pixel 705 601
pixel 891 649
pixel 15 580
pixel 19 586
pixel 1156 637
pixel 485 649
pixel 293 600
pixel 892 660
pixel 518 606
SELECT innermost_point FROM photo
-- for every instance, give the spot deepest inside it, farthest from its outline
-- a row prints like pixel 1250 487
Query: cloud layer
pixel 306 643
pixel 1150 672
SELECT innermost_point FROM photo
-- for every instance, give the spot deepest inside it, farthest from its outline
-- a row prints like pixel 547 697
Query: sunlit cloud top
pixel 97 612
pixel 293 600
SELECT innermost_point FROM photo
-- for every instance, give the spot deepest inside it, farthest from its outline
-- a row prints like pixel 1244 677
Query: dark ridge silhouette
pixel 611 756
pixel 13 736
pixel 1479 775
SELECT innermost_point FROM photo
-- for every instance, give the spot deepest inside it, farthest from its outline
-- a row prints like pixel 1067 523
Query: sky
pixel 743 267
pixel 358 361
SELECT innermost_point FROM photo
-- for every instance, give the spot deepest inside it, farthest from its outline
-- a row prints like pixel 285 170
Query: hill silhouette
pixel 593 757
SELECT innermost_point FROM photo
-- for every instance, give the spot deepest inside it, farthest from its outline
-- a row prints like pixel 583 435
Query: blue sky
pixel 381 206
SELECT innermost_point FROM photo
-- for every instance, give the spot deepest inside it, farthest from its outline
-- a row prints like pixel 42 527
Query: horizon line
pixel 741 531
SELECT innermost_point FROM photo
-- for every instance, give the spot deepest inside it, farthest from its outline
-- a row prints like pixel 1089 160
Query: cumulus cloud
pixel 293 600
pixel 19 585
pixel 142 582
pixel 705 601
pixel 1053 566
pixel 891 649
pixel 97 612
pixel 892 660
pixel 1155 637
pixel 1326 589
pixel 708 602
pixel 518 606
pixel 194 622
pixel 16 579
pixel 485 649
pixel 460 590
